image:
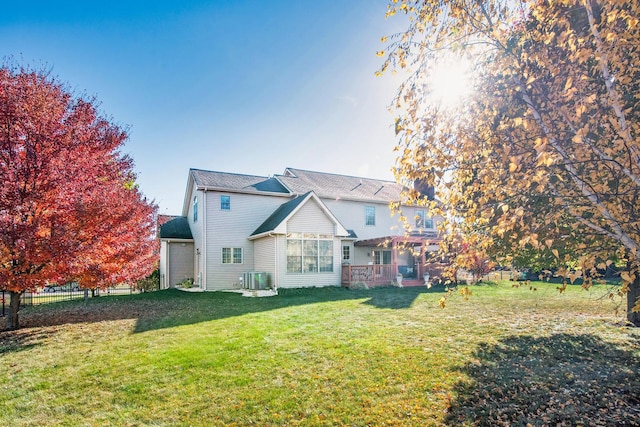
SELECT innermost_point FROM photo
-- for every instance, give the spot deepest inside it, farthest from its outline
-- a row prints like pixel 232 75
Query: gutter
pixel 243 191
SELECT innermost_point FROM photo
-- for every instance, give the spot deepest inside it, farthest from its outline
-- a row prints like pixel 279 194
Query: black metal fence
pixel 48 296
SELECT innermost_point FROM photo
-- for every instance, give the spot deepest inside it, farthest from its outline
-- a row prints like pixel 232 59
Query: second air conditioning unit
pixel 254 280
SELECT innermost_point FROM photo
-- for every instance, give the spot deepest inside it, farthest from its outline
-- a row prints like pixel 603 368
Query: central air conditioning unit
pixel 254 280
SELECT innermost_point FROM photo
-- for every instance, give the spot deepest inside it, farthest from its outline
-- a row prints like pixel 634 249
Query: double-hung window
pixel 423 220
pixel 232 255
pixel 225 203
pixel 369 215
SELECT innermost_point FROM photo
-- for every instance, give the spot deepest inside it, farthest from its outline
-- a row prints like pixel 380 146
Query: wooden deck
pixel 385 274
pixel 370 274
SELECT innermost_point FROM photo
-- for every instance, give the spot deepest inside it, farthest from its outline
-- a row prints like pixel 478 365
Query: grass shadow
pixel 189 308
pixel 169 308
pixel 401 298
pixel 562 380
pixel 20 340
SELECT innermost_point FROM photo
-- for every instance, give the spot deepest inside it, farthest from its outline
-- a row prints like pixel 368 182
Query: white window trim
pixel 232 252
pixel 195 208
pixel 366 216
pixel 318 238
pixel 229 198
pixel 425 217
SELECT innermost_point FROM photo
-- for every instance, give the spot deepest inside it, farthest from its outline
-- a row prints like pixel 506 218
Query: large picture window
pixel 325 255
pixel 294 255
pixel 309 253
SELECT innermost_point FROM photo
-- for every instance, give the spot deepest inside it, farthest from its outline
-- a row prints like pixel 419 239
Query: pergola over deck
pixel 384 274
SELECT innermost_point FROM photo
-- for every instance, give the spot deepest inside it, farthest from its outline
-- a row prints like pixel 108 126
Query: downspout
pixel 167 272
pixel 275 256
pixel 204 240
pixel 423 258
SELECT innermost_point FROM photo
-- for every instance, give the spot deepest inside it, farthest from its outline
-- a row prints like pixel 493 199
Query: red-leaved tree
pixel 69 206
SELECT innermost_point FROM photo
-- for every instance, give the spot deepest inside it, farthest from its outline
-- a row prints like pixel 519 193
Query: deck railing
pixel 371 274
pixel 385 274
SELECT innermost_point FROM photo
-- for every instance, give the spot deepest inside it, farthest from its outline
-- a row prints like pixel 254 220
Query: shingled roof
pixel 276 220
pixel 279 215
pixel 327 185
pixel 236 182
pixel 299 181
pixel 176 228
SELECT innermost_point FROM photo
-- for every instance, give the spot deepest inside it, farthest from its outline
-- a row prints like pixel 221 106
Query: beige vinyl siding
pixel 180 263
pixel 310 218
pixel 351 215
pixel 197 232
pixel 264 258
pixel 362 256
pixel 231 229
pixel 300 280
pixel 164 253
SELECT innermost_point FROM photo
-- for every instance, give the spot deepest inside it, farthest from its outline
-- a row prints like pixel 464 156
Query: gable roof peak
pixel 276 222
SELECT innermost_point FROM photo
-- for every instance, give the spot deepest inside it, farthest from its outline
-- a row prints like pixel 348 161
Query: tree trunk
pixel 14 307
pixel 632 297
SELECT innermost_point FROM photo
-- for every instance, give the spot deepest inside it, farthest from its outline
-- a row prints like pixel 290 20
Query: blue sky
pixel 248 86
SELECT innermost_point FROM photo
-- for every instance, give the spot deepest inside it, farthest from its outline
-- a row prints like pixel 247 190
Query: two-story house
pixel 298 229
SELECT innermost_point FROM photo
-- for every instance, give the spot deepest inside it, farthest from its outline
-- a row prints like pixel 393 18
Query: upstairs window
pixel 225 203
pixel 369 215
pixel 423 220
pixel 195 209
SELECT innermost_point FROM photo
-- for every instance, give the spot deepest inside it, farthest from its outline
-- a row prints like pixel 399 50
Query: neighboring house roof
pixel 276 222
pixel 332 186
pixel 177 228
pixel 238 182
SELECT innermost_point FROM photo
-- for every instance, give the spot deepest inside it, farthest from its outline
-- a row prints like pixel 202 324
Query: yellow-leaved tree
pixel 543 154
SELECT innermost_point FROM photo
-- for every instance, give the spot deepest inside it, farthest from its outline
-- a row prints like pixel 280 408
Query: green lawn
pixel 324 357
